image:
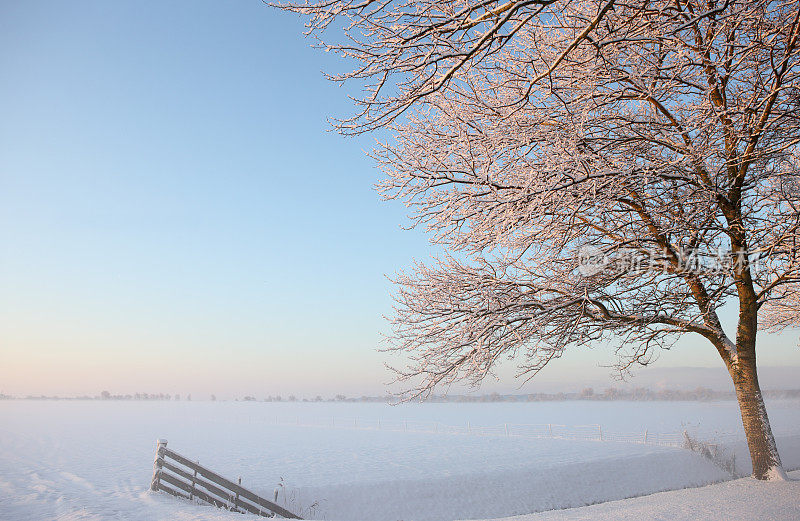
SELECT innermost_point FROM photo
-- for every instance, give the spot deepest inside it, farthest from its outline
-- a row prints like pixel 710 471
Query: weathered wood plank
pixel 174 481
pixel 172 491
pixel 231 503
pixel 164 452
pixel 223 495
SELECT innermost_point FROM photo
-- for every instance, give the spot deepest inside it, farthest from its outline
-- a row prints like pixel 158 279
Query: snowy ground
pixel 93 460
pixel 740 500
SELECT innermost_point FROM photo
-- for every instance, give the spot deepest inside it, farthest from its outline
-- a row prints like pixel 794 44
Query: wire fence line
pixel 591 432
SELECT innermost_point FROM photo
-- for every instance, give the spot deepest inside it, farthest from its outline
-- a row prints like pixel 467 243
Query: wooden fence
pixel 181 477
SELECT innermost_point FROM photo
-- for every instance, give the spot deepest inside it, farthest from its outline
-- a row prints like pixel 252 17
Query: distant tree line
pixel 609 394
pixel 587 394
pixel 105 395
pixel 319 398
pixel 612 394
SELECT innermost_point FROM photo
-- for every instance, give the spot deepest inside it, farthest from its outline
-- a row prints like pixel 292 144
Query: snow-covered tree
pixel 597 171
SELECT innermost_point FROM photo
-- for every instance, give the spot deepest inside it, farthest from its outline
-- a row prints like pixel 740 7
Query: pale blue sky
pixel 170 196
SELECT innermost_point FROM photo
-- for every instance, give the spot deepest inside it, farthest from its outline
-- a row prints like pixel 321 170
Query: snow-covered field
pixel 740 500
pixel 93 460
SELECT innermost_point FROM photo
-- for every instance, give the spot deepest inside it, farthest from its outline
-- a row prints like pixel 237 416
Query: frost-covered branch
pixel 607 170
pixel 666 131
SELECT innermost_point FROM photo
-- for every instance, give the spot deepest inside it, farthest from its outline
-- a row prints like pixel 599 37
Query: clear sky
pixel 175 215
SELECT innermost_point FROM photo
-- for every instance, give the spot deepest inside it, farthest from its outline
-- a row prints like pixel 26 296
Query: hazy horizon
pixel 175 216
pixel 652 378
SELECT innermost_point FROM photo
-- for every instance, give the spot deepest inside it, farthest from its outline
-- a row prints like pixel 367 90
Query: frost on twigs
pixel 713 452
pixel 404 51
pixel 660 160
pixel 661 137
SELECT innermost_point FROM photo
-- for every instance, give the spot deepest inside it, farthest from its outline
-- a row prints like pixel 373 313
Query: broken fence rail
pixel 181 477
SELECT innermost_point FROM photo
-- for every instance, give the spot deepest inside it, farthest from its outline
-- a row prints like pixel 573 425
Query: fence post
pixel 645 435
pixel 550 429
pixel 236 500
pixel 469 428
pixel 600 431
pixel 506 429
pixel 157 465
pixel 194 481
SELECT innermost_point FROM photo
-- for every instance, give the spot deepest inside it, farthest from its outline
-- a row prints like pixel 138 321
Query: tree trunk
pixel 763 451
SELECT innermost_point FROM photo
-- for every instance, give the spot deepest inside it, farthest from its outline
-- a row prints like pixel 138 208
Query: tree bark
pixel 742 367
pixel 763 451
